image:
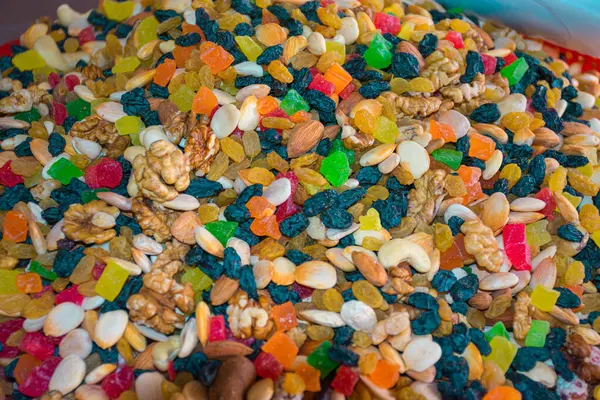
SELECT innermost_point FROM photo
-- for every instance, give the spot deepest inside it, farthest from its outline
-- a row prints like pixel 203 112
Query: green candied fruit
pixel 338 145
pixel 515 71
pixel 335 168
pixel 222 230
pixel 90 195
pixel 293 102
pixel 63 171
pixel 79 109
pixel 319 359
pixel 378 55
pixel 37 268
pixel 125 65
pixel 198 279
pixel 497 330
pixel 29 116
pixel 536 337
pixel 452 158
pixel 183 98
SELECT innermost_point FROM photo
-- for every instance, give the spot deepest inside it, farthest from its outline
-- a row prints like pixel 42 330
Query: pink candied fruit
pixel 516 247
pixel 546 196
pixel 38 380
pixel 117 382
pixel 286 209
pixel 9 352
pixel 344 380
pixel 348 90
pixel 171 371
pixel 9 327
pixel 70 295
pixel 216 329
pixel 325 3
pixel 267 366
pixel 71 81
pixel 489 63
pixel 9 178
pixel 97 270
pixel 108 173
pixel 37 344
pixel 509 59
pixel 59 112
pixel 53 79
pixel 387 23
pixel 86 35
pixel 456 39
pixel 324 86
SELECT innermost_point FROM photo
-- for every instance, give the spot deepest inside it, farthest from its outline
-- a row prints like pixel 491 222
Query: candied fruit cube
pixel 282 347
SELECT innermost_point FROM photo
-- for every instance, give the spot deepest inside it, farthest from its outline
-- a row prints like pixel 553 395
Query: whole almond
pixel 184 226
pixel 370 268
pixel 407 47
pixel 496 211
pixel 223 289
pixel 144 359
pixel 575 128
pixel 304 137
pixel 225 349
pixel 545 137
pixel 480 301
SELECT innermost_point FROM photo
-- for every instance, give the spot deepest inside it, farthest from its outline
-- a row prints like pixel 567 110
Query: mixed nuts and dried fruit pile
pixel 239 199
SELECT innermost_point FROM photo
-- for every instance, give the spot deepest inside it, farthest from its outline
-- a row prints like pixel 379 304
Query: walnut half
pixel 79 222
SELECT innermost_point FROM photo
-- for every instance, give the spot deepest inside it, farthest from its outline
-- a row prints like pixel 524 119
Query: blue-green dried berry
pixel 405 65
pixel 570 233
pixel 336 218
pixel 293 225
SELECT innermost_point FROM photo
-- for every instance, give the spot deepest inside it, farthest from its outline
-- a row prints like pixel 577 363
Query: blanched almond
pixel 316 275
pixel 495 211
pixel 377 154
pixel 263 273
pixel 110 328
pixel 62 319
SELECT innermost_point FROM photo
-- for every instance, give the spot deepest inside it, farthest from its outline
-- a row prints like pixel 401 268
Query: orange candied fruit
pixel 481 146
pixel 260 207
pixel 300 116
pixel 182 54
pixel 451 258
pixel 337 75
pixel 29 283
pixel 439 130
pixel 24 366
pixel 385 374
pixel 283 348
pixel 165 71
pixel 215 56
pixel 470 176
pixel 266 105
pixel 204 101
pixel 15 227
pixel 503 393
pixel 284 316
pixel 266 226
pixel 311 376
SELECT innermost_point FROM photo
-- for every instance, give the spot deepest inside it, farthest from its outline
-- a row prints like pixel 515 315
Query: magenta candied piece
pixel 118 382
pixel 9 327
pixel 387 23
pixel 344 380
pixel 38 380
pixel 516 247
pixel 303 291
pixel 286 209
pixel 216 328
pixel 546 196
pixel 38 345
pixel 456 39
pixel 267 366
pixel 106 174
pixel 70 295
pixel 489 63
pixel 322 85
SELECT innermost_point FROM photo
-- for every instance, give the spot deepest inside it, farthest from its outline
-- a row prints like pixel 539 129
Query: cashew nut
pixel 396 251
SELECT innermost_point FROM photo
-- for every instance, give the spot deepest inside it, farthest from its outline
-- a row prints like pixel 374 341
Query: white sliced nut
pixel 492 165
pixel 377 154
pixel 413 158
pixel 103 220
pixel 208 242
pixel 389 164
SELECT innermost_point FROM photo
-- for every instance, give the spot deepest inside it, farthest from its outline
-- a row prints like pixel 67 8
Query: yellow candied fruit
pixel 515 120
pixel 512 173
pixel 365 121
pixel 293 383
pixel 371 243
pixel 586 170
pixel 459 26
pixel 370 221
pixel 406 30
pixel 558 180
pixel 395 9
pixel 590 218
pixel 572 199
pixel 575 274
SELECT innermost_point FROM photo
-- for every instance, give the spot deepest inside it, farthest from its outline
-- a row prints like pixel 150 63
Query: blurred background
pixel 569 23
pixel 17 15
